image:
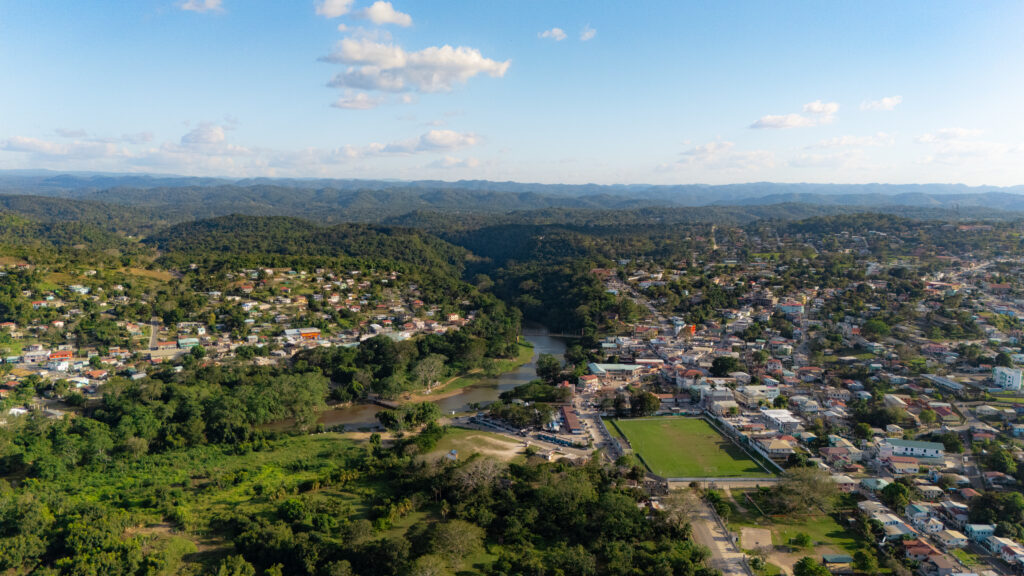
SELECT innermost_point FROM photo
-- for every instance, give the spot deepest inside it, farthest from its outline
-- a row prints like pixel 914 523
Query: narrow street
pixel 725 555
pixel 154 332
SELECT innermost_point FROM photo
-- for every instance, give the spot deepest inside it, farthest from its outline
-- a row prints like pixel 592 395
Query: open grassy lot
pixel 678 447
pixel 468 442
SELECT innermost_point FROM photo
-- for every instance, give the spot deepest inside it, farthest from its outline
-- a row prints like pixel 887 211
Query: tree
pixel 804 490
pixel 780 402
pixel 862 430
pixel 802 540
pixel 895 496
pixel 1003 359
pixel 865 561
pixel 874 328
pixel 808 566
pixel 927 417
pixel 456 540
pixel 723 365
pixel 429 565
pixel 428 370
pixel 548 368
pixel 235 566
pixel 644 404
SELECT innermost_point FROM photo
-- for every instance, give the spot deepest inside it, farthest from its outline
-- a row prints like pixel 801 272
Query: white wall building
pixel 1007 378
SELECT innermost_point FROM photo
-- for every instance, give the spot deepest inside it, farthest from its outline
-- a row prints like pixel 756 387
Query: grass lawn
pixel 821 529
pixel 613 431
pixel 1010 399
pixel 965 557
pixel 679 447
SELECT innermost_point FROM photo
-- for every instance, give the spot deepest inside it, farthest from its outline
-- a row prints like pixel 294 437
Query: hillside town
pixel 95 326
pixel 922 429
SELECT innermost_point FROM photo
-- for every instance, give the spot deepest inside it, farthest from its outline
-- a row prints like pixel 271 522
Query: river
pixel 355 416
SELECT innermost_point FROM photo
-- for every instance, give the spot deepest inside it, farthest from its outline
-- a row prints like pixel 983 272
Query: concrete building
pixel 1007 378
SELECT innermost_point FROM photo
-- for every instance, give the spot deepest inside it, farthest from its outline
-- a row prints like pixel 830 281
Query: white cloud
pixel 588 33
pixel 879 139
pixel 360 101
pixel 202 5
pixel 843 159
pixel 821 109
pixel 207 150
pixel 961 147
pixel 381 13
pixel 387 67
pixel 948 134
pixel 70 150
pixel 449 162
pixel 556 34
pixel 721 156
pixel 782 121
pixel 434 140
pixel 887 104
pixel 333 8
pixel 205 133
pixel 815 113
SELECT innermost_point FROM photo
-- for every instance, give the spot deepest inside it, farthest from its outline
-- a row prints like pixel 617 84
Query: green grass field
pixel 686 448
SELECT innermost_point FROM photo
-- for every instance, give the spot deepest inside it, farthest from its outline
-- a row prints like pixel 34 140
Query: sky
pixel 565 91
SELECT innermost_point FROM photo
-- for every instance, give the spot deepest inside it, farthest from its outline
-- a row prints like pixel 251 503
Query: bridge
pixel 389 404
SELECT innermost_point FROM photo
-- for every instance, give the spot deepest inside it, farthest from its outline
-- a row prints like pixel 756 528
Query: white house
pixel 952 539
pixel 890 447
pixel 1007 378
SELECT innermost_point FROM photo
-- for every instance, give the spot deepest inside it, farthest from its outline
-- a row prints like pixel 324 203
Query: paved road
pixel 154 332
pixel 708 532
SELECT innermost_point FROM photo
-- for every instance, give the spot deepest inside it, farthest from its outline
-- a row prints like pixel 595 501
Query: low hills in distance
pixel 172 199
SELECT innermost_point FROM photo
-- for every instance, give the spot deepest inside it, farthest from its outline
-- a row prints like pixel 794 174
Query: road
pixel 154 332
pixel 708 531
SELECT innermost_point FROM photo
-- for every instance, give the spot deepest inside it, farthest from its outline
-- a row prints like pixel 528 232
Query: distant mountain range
pixel 180 198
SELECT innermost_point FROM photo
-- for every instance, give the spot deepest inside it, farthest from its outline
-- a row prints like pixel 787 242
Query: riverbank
pixel 456 384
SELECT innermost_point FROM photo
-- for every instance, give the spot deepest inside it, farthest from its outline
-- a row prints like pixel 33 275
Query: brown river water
pixel 356 416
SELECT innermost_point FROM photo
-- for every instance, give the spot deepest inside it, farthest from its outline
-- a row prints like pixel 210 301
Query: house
pixel 903 465
pixel 776 448
pixel 951 539
pixel 938 565
pixel 571 421
pixel 616 372
pixel 979 532
pixel 917 513
pixel 890 447
pixel 932 526
pixel 724 407
pixel 995 544
pixel 781 420
pixel 918 550
pixel 1007 378
pixel 1013 554
pixel 844 483
pixel 955 512
pixel 871 485
pixel 61 355
pixel 838 563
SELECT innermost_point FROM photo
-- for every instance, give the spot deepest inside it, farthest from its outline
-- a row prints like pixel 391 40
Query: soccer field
pixel 679 447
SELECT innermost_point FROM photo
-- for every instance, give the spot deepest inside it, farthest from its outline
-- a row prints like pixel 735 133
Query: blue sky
pixel 591 91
